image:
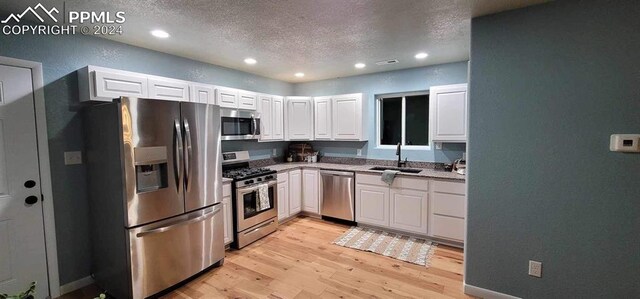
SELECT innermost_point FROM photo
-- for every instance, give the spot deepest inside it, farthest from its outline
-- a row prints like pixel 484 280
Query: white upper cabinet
pixel 449 111
pixel 322 112
pixel 103 84
pixel 265 107
pixel 349 122
pixel 168 89
pixel 277 115
pixel 271 117
pixel 247 100
pixel 340 117
pixel 227 97
pixel 202 93
pixel 299 118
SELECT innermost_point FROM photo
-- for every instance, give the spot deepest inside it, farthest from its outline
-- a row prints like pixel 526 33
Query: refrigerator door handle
pixel 188 156
pixel 178 155
pixel 204 217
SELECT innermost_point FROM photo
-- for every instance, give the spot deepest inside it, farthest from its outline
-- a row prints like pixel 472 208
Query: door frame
pixel 44 169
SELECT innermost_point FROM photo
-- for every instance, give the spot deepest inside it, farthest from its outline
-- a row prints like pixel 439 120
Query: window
pixel 403 118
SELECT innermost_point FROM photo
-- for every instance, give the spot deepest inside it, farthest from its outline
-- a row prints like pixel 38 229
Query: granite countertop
pixel 426 172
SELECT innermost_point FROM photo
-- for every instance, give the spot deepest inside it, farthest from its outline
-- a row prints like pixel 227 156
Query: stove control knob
pixel 268 177
pixel 248 182
pixel 259 179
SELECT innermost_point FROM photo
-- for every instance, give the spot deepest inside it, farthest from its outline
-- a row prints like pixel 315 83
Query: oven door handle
pixel 242 190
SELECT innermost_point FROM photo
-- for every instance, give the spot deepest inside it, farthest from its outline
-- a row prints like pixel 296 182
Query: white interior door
pixel 22 248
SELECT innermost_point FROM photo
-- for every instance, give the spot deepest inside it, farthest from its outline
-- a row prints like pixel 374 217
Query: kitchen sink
pixel 407 170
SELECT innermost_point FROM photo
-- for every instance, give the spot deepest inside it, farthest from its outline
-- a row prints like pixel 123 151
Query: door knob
pixel 30 184
pixel 31 200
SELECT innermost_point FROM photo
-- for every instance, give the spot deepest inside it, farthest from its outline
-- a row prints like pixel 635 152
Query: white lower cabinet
pixel 310 191
pixel 227 209
pixel 448 210
pixel 372 204
pixel 423 206
pixel 409 210
pixel 283 196
pixel 295 191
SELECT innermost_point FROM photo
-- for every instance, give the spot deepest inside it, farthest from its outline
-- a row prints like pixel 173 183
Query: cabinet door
pixel 277 115
pixel 372 205
pixel 227 97
pixel 283 200
pixel 449 113
pixel 322 117
pixel 310 191
pixel 172 90
pixel 266 117
pixel 247 100
pixel 112 85
pixel 228 220
pixel 299 122
pixel 295 192
pixel 409 210
pixel 347 117
pixel 202 94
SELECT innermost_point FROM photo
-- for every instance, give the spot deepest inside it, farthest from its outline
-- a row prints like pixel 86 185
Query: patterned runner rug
pixel 398 246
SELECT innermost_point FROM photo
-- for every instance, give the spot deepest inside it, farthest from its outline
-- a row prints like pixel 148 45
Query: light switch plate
pixel 73 158
pixel 359 152
pixel 274 153
pixel 629 143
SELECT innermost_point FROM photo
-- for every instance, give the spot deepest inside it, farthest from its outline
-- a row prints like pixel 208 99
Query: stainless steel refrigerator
pixel 155 191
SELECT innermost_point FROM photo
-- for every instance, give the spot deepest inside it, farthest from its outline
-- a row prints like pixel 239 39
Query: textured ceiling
pixel 322 38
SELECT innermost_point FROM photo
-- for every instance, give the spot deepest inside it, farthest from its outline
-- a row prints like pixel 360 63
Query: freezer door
pixel 203 155
pixel 170 251
pixel 153 149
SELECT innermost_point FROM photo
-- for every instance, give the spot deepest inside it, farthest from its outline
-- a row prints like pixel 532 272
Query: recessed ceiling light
pixel 160 33
pixel 360 65
pixel 421 55
pixel 250 61
pixel 299 75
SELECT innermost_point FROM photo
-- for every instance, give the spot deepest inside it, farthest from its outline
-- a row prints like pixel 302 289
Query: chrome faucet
pixel 399 154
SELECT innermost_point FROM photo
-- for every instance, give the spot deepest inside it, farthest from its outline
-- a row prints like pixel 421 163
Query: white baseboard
pixel 76 285
pixel 484 293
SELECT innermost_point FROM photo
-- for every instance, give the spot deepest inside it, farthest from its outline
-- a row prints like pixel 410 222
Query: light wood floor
pixel 299 261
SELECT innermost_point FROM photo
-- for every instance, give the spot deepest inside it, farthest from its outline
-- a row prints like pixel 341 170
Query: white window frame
pixel 403 95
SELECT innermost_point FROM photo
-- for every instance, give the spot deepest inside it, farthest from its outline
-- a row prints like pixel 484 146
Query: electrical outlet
pixel 72 158
pixel 359 152
pixel 535 268
pixel 274 152
pixel 438 145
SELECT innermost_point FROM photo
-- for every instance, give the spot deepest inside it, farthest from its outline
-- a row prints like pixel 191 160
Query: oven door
pixel 239 125
pixel 247 213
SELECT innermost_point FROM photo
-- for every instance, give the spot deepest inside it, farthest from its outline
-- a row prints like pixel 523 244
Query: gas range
pixel 254 198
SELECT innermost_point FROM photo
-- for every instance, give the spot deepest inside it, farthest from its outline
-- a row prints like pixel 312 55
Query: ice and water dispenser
pixel 151 168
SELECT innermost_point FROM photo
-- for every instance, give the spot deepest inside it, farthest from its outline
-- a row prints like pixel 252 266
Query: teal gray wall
pixel 61 56
pixel 548 86
pixel 415 79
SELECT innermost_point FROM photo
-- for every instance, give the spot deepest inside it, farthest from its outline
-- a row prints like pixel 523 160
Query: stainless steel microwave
pixel 239 124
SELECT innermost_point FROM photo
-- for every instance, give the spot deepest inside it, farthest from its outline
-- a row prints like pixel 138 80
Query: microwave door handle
pixel 178 154
pixel 188 156
pixel 255 126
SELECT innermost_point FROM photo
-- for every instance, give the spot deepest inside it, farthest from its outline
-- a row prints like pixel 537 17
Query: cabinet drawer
pixel 283 177
pixel 447 227
pixel 449 187
pixel 410 183
pixel 448 204
pixel 226 189
pixel 370 179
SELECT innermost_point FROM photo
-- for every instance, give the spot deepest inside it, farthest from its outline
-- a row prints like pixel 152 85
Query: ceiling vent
pixel 385 62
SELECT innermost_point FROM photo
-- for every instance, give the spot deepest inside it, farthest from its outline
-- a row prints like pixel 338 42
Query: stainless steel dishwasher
pixel 337 199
